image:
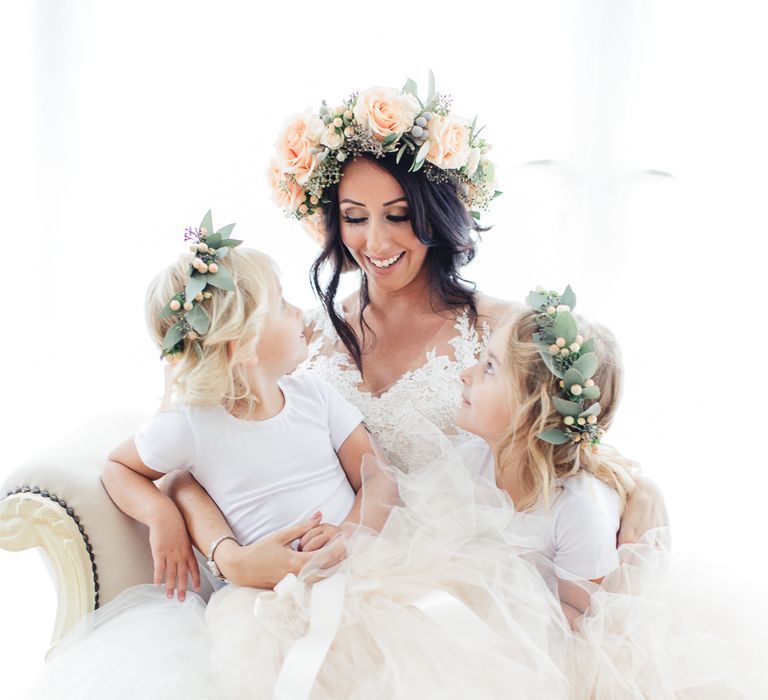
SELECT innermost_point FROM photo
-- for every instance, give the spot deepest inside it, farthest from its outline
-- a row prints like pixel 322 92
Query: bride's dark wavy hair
pixel 440 221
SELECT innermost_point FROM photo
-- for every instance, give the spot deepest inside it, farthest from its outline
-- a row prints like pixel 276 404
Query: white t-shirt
pixel 263 475
pixel 578 532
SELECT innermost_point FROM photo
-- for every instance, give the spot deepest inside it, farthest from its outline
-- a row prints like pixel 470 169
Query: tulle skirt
pixel 450 599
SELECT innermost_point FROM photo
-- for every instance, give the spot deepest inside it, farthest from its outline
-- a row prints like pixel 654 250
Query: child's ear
pixel 231 347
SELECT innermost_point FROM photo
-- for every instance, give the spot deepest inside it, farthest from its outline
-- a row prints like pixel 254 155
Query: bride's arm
pixel 646 509
pixel 261 564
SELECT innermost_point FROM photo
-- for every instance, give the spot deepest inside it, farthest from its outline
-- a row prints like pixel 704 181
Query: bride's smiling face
pixel 376 226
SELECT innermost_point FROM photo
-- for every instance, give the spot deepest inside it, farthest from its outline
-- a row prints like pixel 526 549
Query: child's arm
pixel 356 456
pixel 129 483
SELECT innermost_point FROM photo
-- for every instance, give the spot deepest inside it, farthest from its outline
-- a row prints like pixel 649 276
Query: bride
pixel 398 345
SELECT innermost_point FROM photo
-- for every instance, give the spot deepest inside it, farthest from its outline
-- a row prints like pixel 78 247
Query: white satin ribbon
pixel 305 658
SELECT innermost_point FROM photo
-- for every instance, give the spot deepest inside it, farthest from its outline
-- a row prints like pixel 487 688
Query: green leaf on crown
pixel 497 193
pixel 431 86
pixel 568 298
pixel 221 279
pixel 573 376
pixel 410 87
pixel 391 138
pixel 197 317
pixel 198 350
pixel 586 346
pixel 554 436
pixel 565 327
pixel 229 243
pixel 195 284
pixel 550 362
pixel 590 392
pixel 222 253
pixel 401 151
pixel 207 222
pixel 213 240
pixel 567 408
pixel 536 299
pixel 586 364
pixel 593 410
pixel 225 231
pixel 174 334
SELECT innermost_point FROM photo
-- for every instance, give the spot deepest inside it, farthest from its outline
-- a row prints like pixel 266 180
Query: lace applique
pixel 431 391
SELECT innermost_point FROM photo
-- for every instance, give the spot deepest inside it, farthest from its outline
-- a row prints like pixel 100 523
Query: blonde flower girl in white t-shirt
pixel 542 397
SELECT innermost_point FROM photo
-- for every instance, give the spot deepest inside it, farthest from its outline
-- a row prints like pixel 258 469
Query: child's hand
pixel 172 553
pixel 318 537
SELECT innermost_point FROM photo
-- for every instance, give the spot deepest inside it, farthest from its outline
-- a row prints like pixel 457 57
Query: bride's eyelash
pixel 359 220
pixel 488 368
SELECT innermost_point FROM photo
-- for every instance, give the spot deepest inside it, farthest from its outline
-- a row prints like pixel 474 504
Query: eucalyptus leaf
pixel 536 300
pixel 422 154
pixel 222 252
pixel 593 410
pixel 207 222
pixel 573 376
pixel 587 346
pixel 410 86
pixel 174 334
pixel 548 361
pixel 167 312
pixel 225 231
pixel 554 436
pixel 197 317
pixel 568 297
pixel 417 165
pixel 586 364
pixel 497 193
pixel 198 350
pixel 431 86
pixel 195 285
pixel 229 243
pixel 565 327
pixel 400 152
pixel 221 279
pixel 590 392
pixel 475 215
pixel 390 139
pixel 566 408
pixel 213 240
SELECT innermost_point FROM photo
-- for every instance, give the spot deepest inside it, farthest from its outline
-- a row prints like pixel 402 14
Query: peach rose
pixel 295 145
pixel 448 142
pixel 286 192
pixel 384 111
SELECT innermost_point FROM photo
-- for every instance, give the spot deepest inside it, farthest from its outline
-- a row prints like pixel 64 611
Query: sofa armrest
pixel 55 501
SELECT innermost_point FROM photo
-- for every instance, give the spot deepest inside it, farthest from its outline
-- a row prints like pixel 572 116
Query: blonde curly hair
pixel 219 378
pixel 532 387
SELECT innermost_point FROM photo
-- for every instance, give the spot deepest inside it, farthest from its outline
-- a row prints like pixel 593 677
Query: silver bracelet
pixel 211 564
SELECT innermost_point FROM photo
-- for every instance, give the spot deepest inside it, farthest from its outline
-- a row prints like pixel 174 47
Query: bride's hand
pixel 264 563
pixel 645 510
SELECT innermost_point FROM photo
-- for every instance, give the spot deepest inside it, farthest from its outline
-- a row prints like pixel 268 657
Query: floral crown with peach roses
pixel 570 358
pixel 313 146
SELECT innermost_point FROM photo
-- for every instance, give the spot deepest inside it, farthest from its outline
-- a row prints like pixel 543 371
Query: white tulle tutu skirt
pixel 451 599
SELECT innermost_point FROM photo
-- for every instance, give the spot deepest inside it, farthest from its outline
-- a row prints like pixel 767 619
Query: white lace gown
pixel 451 600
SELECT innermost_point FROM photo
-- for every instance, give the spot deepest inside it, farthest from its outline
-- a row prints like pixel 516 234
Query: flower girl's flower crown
pixel 313 146
pixel 205 273
pixel 569 357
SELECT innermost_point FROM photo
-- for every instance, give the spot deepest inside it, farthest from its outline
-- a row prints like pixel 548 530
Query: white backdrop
pixel 630 139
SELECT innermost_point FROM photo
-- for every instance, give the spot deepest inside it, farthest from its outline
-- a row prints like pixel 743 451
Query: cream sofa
pixel 55 501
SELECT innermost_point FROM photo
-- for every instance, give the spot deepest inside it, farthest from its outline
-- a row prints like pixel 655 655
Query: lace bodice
pixel 432 391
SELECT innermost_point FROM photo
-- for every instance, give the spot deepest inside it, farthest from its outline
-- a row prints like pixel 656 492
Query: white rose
pixel 449 142
pixel 332 138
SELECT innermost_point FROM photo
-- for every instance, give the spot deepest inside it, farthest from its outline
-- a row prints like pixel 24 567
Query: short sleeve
pixel 343 417
pixel 165 442
pixel 585 530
